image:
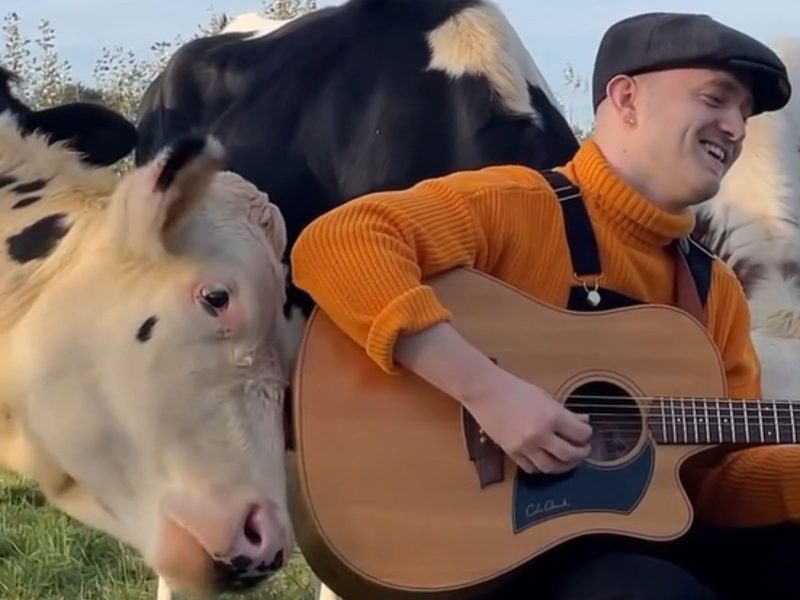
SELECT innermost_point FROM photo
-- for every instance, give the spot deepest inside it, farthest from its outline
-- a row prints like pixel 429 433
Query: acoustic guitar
pixel 397 493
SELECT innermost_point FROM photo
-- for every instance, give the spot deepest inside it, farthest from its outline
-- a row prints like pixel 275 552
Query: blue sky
pixel 555 32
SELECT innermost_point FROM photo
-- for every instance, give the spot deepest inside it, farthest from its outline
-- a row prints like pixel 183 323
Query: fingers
pixel 523 463
pixel 573 427
pixel 564 452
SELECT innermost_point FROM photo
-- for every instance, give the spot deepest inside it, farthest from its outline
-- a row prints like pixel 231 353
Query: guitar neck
pixel 723 420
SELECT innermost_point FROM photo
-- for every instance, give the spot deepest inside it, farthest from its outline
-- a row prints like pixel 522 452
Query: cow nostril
pixel 252 526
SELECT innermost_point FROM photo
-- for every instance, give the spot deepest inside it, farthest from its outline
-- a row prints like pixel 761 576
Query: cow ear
pixel 101 135
pixel 155 197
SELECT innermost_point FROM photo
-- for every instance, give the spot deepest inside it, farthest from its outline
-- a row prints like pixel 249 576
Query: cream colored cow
pixel 142 366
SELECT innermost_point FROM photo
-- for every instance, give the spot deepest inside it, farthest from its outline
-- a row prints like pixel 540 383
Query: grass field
pixel 45 555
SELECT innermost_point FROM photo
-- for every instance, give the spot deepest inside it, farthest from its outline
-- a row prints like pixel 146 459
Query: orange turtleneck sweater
pixel 363 263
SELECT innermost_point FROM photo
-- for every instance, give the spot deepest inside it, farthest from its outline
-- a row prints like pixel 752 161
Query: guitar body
pixel 388 503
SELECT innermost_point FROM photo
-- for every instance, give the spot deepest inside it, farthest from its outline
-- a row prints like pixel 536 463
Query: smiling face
pixel 684 129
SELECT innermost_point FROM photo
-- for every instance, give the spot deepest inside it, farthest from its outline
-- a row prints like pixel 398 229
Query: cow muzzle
pixel 210 546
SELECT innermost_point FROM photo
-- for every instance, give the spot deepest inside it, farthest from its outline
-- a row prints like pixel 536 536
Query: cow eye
pixel 215 298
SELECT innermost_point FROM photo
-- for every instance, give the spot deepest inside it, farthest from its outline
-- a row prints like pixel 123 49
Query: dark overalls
pixel 706 563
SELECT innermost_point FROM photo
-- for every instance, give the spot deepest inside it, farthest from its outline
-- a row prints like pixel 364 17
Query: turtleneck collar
pixel 634 218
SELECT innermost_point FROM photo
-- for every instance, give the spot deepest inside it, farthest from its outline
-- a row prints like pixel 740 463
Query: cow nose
pixel 255 553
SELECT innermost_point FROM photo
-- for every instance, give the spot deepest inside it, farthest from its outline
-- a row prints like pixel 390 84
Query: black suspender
pixel 583 243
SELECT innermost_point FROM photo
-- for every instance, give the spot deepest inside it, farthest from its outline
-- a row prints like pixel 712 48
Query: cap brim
pixel 770 87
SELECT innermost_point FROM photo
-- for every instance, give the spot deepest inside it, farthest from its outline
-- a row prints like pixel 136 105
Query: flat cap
pixel 660 40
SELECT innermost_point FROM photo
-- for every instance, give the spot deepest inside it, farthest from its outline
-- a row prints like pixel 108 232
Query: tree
pixel 287 9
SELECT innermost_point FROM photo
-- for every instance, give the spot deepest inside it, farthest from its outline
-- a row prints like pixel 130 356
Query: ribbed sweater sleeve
pixel 364 262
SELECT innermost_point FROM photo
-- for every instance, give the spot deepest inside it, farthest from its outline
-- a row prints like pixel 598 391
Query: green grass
pixel 45 555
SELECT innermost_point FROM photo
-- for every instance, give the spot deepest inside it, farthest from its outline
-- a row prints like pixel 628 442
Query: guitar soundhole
pixel 615 419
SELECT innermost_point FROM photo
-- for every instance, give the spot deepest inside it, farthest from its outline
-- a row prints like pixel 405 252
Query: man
pixel 672 94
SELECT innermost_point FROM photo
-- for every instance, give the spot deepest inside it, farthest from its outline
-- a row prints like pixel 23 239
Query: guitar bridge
pixel 488 457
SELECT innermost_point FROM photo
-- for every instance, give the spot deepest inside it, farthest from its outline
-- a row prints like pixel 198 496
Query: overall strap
pixel 580 234
pixel 691 285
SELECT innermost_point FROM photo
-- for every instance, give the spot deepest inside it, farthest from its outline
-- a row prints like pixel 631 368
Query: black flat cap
pixel 658 41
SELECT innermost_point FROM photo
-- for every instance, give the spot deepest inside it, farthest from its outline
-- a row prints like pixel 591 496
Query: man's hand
pixel 535 430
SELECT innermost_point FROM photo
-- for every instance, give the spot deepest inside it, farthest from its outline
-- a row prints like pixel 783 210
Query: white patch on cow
pixel 479 40
pixel 253 22
pixel 755 220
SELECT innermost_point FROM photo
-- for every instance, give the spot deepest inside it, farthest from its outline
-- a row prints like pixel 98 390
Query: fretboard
pixel 717 421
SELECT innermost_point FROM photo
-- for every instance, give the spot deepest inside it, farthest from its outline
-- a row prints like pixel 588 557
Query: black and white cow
pixel 369 95
pixel 101 135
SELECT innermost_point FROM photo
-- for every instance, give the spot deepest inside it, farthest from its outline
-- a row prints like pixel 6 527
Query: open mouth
pixel 714 150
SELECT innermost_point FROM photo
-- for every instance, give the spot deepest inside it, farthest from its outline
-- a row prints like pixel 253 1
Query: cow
pixel 100 135
pixel 753 224
pixel 142 361
pixel 364 96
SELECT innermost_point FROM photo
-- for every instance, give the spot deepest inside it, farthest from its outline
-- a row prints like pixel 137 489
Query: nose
pixel 734 125
pixel 226 545
pixel 255 553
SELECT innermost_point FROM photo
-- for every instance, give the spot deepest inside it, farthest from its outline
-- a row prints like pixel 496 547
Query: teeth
pixel 715 151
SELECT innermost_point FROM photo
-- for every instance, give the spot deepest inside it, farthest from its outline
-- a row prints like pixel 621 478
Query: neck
pixel 723 420
pixel 619 159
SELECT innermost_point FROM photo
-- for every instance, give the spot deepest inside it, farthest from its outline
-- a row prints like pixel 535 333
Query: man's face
pixel 690 129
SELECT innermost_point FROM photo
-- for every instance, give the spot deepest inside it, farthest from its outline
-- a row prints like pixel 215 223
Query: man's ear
pixel 622 92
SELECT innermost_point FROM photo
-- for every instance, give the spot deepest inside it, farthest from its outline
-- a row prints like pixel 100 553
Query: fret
pixel 672 418
pixel 708 427
pixel 700 421
pixel 739 418
pixel 760 410
pixel 663 421
pixel 683 418
pixel 694 420
pixel 654 423
pixel 727 423
pixel 784 420
pixel 746 422
pixel 775 419
pixel 712 422
pixel 754 421
pixel 794 431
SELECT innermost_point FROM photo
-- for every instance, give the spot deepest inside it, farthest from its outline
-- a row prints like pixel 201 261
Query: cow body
pixel 753 224
pixel 141 366
pixel 367 96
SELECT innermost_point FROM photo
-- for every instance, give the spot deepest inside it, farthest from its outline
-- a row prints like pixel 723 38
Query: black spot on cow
pixel 6 180
pixel 145 331
pixel 29 186
pixel 26 201
pixel 37 240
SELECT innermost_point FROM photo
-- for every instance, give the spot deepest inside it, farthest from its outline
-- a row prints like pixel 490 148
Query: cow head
pixel 153 377
pixel 102 136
